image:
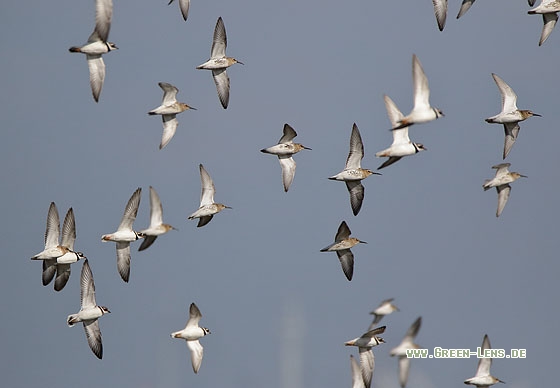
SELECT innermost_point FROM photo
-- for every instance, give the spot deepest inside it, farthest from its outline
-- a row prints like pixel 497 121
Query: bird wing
pixel 197 352
pixel 208 189
pixel 356 190
pixel 288 165
pixel 509 98
pixel 221 79
pixel 52 233
pixel 549 21
pixel 346 258
pixel 421 88
pixel 68 230
pixel 511 131
pixel 288 135
pixel 356 149
pixel 170 124
pixel 156 209
pixel 123 260
pixel 96 74
pixel 357 379
pixel 440 10
pixel 367 364
pixel 503 196
pixel 87 287
pixel 343 232
pixel 93 335
pixel 62 276
pixel 130 211
pixel 103 16
pixel 169 93
pixel 484 363
pixel 400 136
pixel 219 42
pixel 194 315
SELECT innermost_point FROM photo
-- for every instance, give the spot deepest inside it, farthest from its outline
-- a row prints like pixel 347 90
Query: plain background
pixel 279 310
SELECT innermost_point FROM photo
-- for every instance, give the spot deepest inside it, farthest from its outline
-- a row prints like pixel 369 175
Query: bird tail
pixel 72 320
pixel 74 49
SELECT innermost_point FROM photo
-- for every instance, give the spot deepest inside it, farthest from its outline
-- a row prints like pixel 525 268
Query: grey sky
pixel 434 243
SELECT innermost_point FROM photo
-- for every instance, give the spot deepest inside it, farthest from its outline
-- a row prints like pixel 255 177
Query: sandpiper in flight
pixel 501 182
pixel 97 45
pixel 168 110
pixel 89 312
pixel 386 307
pixel 284 150
pixel 342 244
pixel 400 350
pixel 510 116
pixel 58 257
pixel 124 235
pixel 157 227
pixel 401 146
pixel 207 207
pixel 483 378
pixel 353 172
pixel 365 343
pixel 192 333
pixel 422 112
pixel 219 62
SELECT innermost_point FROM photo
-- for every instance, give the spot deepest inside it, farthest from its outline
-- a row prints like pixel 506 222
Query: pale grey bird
pixel 125 235
pixel 406 344
pixel 169 109
pixel 192 333
pixel 353 172
pixel 386 307
pixel 501 182
pixel 89 311
pixel 58 257
pixel 422 112
pixel 219 62
pixel 157 227
pixel 365 343
pixel 510 116
pixel 483 378
pixel 342 244
pixel 207 207
pixel 97 45
pixel 401 146
pixel 285 149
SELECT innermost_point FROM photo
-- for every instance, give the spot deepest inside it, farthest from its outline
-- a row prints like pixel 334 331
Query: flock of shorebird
pixel 58 253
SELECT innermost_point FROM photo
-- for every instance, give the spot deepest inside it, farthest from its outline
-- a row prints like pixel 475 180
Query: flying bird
pixel 89 312
pixel 501 182
pixel 157 227
pixel 125 235
pixel 219 62
pixel 342 244
pixel 386 307
pixel 510 116
pixel 207 207
pixel 353 172
pixel 97 45
pixel 401 146
pixel 483 378
pixel 406 344
pixel 285 149
pixel 365 343
pixel 58 257
pixel 192 333
pixel 168 110
pixel 422 112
